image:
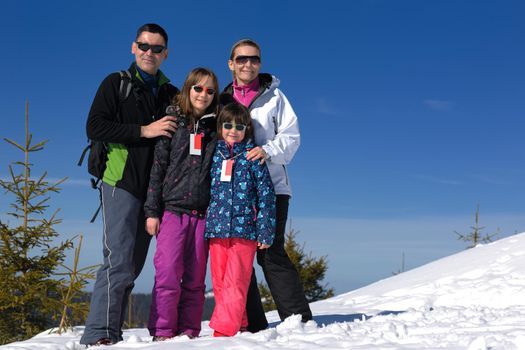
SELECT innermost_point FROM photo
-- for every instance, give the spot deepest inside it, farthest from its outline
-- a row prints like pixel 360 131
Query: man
pixel 128 128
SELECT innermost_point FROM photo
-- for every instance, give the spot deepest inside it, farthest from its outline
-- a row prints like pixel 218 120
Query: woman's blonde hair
pixel 244 42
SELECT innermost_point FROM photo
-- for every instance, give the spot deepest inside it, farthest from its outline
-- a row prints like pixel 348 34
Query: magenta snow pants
pixel 180 268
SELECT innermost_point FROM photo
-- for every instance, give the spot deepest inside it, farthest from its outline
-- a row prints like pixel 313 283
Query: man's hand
pixel 257 153
pixel 161 127
pixel 152 226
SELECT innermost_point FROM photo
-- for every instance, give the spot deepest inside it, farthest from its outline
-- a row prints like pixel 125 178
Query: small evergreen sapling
pixel 476 237
pixel 73 299
pixel 311 273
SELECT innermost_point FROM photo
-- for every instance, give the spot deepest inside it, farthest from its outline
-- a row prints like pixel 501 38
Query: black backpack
pixel 98 150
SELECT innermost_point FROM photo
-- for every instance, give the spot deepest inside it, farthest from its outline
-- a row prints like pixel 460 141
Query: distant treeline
pixel 138 310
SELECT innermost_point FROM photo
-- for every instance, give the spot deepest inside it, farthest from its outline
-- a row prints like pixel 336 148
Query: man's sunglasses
pixel 200 88
pixel 154 48
pixel 229 126
pixel 245 59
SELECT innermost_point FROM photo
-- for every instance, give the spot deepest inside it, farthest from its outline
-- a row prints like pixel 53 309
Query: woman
pixel 277 136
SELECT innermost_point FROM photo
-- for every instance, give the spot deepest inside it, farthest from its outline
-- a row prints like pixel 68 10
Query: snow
pixel 473 300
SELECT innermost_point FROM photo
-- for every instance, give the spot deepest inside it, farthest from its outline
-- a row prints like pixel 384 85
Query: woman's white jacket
pixel 276 128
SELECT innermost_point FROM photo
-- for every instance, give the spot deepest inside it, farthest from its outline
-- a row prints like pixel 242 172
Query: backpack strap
pixel 87 148
pixel 125 85
pixel 124 89
pixel 96 185
pixel 96 213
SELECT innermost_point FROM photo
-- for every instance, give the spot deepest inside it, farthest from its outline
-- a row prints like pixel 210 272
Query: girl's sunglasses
pixel 200 88
pixel 229 126
pixel 154 48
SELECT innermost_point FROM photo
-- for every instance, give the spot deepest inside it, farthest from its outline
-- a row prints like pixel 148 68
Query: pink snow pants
pixel 180 268
pixel 231 263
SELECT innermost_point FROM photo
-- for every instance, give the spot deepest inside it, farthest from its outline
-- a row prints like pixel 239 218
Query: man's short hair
pixel 153 28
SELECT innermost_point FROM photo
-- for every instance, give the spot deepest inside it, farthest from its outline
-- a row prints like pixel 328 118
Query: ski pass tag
pixel 195 144
pixel 226 171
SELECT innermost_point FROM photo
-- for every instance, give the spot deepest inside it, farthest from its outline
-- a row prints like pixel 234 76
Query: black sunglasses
pixel 245 59
pixel 154 48
pixel 230 125
pixel 199 88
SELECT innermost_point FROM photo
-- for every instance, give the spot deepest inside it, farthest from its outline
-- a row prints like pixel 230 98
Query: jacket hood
pixel 268 81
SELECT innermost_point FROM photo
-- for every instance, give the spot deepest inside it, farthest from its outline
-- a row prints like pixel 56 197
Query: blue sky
pixel 411 112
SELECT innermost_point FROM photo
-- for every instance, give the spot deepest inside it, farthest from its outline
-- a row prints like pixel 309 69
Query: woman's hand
pixel 257 153
pixel 262 245
pixel 152 226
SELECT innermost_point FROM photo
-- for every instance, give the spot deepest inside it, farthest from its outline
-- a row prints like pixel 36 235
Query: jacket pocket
pixel 285 174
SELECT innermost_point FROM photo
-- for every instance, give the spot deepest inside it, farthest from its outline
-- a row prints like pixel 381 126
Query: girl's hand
pixel 262 245
pixel 152 226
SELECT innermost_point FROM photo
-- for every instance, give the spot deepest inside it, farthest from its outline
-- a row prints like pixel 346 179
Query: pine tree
pixel 476 237
pixel 28 292
pixel 311 272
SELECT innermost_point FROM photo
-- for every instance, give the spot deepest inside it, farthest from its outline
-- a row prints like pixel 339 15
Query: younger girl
pixel 178 195
pixel 240 218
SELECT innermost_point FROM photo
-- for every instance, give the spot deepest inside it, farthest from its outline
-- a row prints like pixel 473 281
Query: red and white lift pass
pixel 226 171
pixel 195 144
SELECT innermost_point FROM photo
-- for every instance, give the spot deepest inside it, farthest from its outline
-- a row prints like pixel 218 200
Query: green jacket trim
pixel 117 156
pixel 162 78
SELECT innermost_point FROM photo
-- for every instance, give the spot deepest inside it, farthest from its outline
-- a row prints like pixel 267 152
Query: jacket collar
pixel 252 86
pixel 265 81
pixel 133 69
pixel 238 147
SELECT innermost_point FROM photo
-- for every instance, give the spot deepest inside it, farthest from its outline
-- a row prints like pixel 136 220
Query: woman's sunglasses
pixel 245 59
pixel 229 126
pixel 154 48
pixel 200 88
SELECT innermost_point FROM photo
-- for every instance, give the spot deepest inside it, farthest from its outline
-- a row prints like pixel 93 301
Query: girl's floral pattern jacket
pixel 245 206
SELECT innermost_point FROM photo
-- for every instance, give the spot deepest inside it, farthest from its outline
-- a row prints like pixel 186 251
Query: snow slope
pixel 472 300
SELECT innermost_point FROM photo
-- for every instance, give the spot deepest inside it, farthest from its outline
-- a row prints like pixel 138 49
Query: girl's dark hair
pixel 193 78
pixel 153 28
pixel 235 112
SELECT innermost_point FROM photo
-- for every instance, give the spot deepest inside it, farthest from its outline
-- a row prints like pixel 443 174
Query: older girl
pixel 178 195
